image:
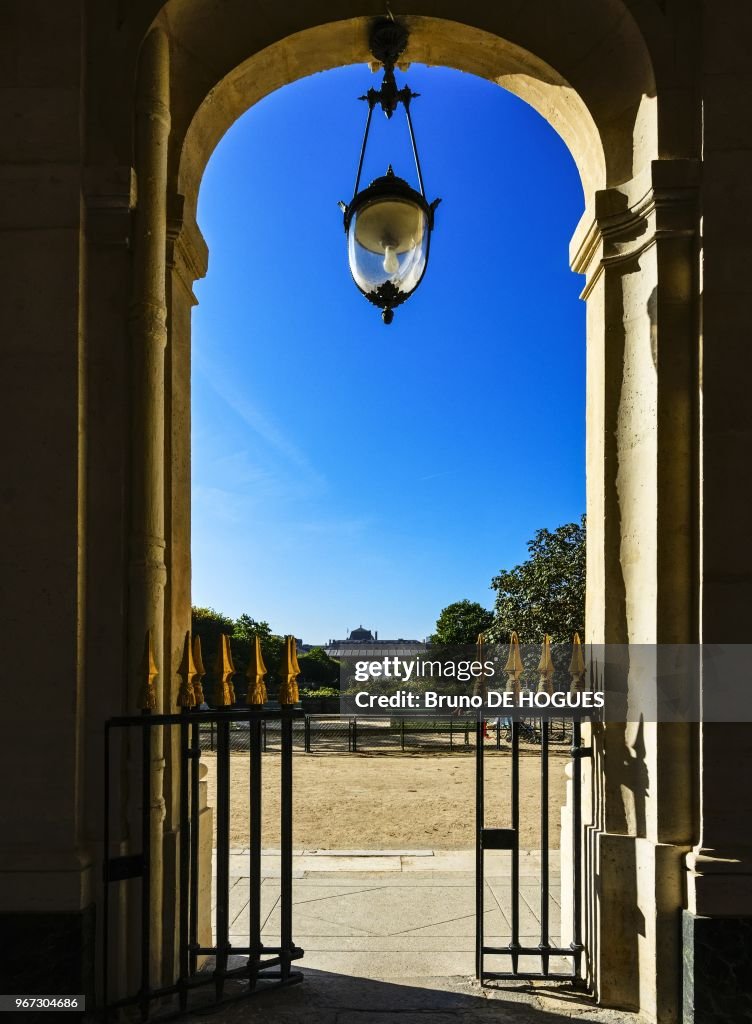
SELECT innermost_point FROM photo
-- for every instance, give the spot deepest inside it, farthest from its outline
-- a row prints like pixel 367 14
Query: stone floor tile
pixel 327 997
pixel 408 880
pixel 336 863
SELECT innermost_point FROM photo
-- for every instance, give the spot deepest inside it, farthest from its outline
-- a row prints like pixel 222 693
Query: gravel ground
pixel 393 800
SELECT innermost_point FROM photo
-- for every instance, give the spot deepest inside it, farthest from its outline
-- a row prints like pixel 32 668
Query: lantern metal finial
pixel 389 223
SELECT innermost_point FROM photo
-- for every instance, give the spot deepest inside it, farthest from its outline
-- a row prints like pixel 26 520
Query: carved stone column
pixel 639 255
pixel 718 922
pixel 147 572
pixel 187 258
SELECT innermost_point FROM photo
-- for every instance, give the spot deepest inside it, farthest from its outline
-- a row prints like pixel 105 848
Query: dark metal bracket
pixel 118 869
pixel 388 40
pixel 498 838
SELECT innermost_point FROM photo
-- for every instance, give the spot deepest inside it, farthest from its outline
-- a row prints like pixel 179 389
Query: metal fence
pixel 346 734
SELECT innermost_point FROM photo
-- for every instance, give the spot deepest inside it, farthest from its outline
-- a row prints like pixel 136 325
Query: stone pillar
pixel 47 883
pixel 110 200
pixel 639 257
pixel 718 920
pixel 147 571
pixel 187 260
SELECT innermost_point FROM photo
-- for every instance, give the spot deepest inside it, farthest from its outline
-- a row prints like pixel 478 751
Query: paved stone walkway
pixel 389 939
pixel 325 998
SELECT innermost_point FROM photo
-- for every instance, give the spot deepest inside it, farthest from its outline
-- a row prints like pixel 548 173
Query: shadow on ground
pixel 325 998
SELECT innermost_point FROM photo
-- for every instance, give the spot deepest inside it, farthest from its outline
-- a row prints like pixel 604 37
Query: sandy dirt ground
pixel 393 800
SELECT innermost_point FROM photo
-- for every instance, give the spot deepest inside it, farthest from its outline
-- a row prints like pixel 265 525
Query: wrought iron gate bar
pixel 508 839
pixel 146 770
pixel 544 942
pixel 222 910
pixel 577 752
pixel 186 845
pixel 195 810
pixel 255 948
pixel 267 963
pixel 515 782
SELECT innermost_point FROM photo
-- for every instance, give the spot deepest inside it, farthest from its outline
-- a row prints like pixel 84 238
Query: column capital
pixel 627 220
pixel 187 251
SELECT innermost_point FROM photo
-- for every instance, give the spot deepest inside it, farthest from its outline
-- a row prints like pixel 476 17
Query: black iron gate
pixel 509 839
pixel 131 745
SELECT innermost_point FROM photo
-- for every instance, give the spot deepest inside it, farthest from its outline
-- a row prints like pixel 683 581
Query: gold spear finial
pixel 296 667
pixel 577 666
pixel 223 670
pixel 147 698
pixel 479 686
pixel 198 661
pixel 256 672
pixel 233 670
pixel 288 691
pixel 186 671
pixel 546 667
pixel 513 667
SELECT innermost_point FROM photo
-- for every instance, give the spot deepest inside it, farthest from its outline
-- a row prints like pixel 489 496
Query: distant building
pixel 362 643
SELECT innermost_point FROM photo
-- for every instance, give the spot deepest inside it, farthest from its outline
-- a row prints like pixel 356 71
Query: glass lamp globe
pixel 388 229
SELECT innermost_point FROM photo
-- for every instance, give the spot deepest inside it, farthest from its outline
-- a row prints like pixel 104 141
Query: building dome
pixel 360 634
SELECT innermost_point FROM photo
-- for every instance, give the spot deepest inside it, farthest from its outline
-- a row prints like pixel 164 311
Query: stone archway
pixel 164 81
pixel 97 326
pixel 591 75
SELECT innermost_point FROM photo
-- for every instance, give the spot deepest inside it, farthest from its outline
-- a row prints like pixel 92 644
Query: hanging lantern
pixel 389 223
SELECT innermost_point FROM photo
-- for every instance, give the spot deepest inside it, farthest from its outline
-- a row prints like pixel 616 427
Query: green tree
pixel 244 633
pixel 209 624
pixel 546 593
pixel 316 667
pixel 460 623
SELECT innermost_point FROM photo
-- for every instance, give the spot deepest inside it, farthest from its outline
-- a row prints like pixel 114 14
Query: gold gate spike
pixel 288 691
pixel 577 667
pixel 198 662
pixel 223 670
pixel 295 668
pixel 230 684
pixel 513 667
pixel 147 698
pixel 186 671
pixel 546 667
pixel 256 672
pixel 479 686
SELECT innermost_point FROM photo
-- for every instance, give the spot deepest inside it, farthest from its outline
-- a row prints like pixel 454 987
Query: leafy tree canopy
pixel 317 667
pixel 460 623
pixel 209 624
pixel 243 638
pixel 546 593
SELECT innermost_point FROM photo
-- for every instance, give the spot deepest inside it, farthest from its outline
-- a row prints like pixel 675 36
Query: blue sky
pixel 347 472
